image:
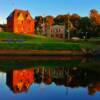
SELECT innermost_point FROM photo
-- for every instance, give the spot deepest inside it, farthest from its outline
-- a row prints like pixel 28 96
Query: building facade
pixel 20 21
pixel 20 80
pixel 57 32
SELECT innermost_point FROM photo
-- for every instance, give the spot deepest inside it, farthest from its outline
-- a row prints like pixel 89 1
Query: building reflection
pixel 94 87
pixel 69 77
pixel 21 80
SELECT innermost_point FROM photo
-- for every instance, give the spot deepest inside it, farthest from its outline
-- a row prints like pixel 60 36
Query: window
pixel 22 22
pixel 61 35
pixel 59 30
pixel 26 15
pixel 51 30
pixel 18 14
pixel 52 35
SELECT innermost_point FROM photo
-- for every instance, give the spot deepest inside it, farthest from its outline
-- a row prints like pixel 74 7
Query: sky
pixel 48 7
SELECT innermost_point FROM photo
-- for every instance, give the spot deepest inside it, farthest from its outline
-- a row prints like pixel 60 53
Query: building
pixel 20 80
pixel 57 31
pixel 43 23
pixel 3 27
pixel 20 21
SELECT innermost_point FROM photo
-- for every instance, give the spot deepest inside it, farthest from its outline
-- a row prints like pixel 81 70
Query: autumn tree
pixel 95 22
pixel 38 24
pixel 49 20
pixel 75 19
pixel 60 19
pixel 74 24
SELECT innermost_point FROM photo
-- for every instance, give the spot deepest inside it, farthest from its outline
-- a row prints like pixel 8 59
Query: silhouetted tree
pixel 85 26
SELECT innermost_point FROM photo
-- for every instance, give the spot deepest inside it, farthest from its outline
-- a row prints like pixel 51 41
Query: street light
pixel 68 27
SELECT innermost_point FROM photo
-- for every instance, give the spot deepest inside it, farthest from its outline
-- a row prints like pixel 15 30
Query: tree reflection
pixel 69 77
pixel 73 77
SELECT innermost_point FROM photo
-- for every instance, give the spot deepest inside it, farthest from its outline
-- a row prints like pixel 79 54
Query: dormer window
pixel 18 14
pixel 22 22
pixel 26 15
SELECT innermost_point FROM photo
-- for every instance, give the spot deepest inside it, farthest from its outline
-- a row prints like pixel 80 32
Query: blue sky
pixel 48 7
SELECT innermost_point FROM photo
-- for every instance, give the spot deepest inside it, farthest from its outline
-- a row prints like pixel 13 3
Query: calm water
pixel 64 79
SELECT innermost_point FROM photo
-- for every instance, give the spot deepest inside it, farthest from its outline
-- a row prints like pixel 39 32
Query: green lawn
pixel 11 41
pixel 13 36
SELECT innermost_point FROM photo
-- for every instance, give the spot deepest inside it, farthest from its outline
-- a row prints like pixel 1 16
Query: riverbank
pixel 43 52
pixel 81 52
pixel 20 44
pixel 18 62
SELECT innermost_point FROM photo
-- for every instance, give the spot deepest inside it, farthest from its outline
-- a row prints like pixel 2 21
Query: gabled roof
pixel 24 12
pixel 11 15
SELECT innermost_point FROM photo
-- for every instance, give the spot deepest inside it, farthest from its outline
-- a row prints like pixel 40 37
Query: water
pixel 70 78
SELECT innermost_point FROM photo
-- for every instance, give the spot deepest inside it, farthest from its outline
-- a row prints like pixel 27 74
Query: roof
pixel 24 12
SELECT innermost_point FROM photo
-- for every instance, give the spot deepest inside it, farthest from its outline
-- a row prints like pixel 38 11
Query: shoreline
pixel 42 52
pixel 42 58
pixel 81 52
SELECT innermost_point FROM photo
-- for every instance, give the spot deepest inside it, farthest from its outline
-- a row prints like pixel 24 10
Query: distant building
pixel 20 21
pixel 57 31
pixel 43 23
pixel 20 80
pixel 3 27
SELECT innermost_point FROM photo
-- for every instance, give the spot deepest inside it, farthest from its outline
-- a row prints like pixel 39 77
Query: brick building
pixel 20 21
pixel 20 80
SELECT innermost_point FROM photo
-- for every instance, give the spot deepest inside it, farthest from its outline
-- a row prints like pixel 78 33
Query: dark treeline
pixel 88 26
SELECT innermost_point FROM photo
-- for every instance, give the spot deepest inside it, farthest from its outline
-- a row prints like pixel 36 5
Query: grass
pixel 38 46
pixel 31 38
pixel 40 43
pixel 8 35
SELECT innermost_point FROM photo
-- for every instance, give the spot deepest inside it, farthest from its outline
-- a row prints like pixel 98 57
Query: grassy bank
pixel 11 41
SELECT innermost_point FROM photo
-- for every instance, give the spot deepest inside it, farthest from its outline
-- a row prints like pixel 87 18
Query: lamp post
pixel 68 28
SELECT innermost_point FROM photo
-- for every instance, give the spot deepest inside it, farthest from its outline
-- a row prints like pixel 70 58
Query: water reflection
pixel 20 80
pixel 69 77
pixel 75 77
pixel 27 76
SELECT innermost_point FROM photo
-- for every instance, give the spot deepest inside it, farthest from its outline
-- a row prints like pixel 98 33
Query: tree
pixel 75 19
pixel 38 24
pixel 68 25
pixel 85 25
pixel 95 22
pixel 59 20
pixel 49 20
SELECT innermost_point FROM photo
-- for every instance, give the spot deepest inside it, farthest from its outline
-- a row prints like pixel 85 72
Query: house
pixel 20 21
pixel 3 27
pixel 20 80
pixel 43 23
pixel 57 31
